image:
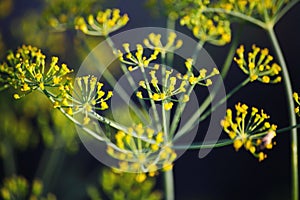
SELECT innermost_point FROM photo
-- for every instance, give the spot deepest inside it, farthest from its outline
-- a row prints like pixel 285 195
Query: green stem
pixel 285 10
pixel 288 128
pixel 199 46
pixel 169 185
pixel 195 117
pixel 131 82
pixel 170 27
pixel 112 82
pixel 168 175
pixel 238 15
pixel 224 72
pixel 237 88
pixel 291 106
pixel 207 145
pixel 165 114
pixel 152 102
pixel 181 107
pixel 226 142
pixel 231 52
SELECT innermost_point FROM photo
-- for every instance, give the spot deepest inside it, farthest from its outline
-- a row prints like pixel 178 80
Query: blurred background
pixel 37 141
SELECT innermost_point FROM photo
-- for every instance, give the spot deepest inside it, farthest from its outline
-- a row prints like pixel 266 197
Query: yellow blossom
pixel 168 106
pixel 103 24
pixel 258 65
pixel 249 130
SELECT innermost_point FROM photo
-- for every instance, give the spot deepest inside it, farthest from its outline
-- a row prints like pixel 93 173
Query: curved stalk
pixel 195 118
pixel 291 106
pixel 224 72
pixel 168 175
pixel 237 88
pixel 111 80
pixel 226 142
pixel 238 15
pixel 169 185
pixel 180 108
pixel 285 10
pixel 208 145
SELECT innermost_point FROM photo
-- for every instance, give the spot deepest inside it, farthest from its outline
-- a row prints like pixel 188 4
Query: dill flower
pixel 154 42
pixel 142 150
pixel 60 14
pixel 255 8
pixel 115 185
pixel 17 187
pixel 173 86
pixel 138 59
pixel 86 95
pixel 103 24
pixel 258 65
pixel 202 78
pixel 250 129
pixel 212 29
pixel 26 70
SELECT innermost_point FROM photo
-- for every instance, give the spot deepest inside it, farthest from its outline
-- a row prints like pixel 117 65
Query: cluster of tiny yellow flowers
pixel 60 14
pixel 104 23
pixel 255 8
pixel 297 99
pixel 203 78
pixel 26 70
pixel 211 29
pixel 249 129
pixel 154 42
pixel 138 59
pixel 164 92
pixel 17 187
pixel 86 95
pixel 258 65
pixel 142 150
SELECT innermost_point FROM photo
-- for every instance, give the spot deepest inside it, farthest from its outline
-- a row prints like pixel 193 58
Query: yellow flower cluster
pixel 26 70
pixel 85 96
pixel 154 42
pixel 142 150
pixel 249 129
pixel 297 99
pixel 17 187
pixel 201 79
pixel 138 59
pixel 211 29
pixel 60 14
pixel 116 185
pixel 258 65
pixel 103 24
pixel 255 8
pixel 165 92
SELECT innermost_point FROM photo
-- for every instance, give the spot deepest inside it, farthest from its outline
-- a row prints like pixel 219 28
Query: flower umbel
pixel 154 42
pixel 258 65
pixel 87 95
pixel 142 150
pixel 202 78
pixel 249 129
pixel 255 8
pixel 60 14
pixel 157 92
pixel 17 187
pixel 26 70
pixel 212 29
pixel 138 59
pixel 103 24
